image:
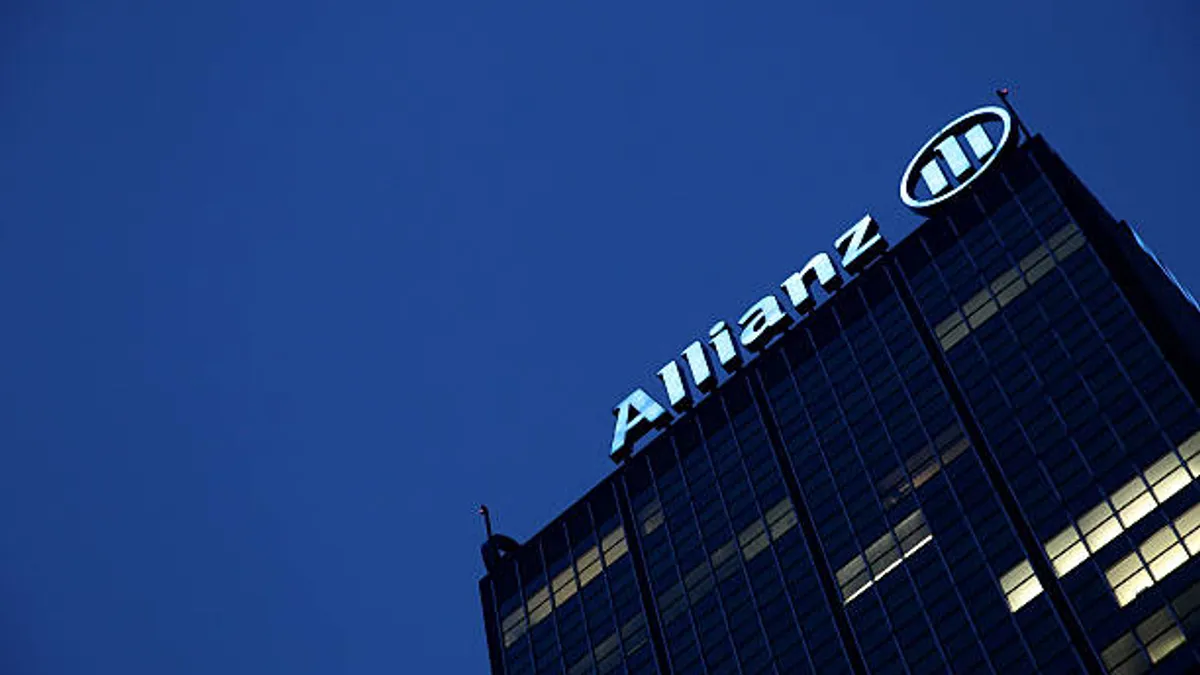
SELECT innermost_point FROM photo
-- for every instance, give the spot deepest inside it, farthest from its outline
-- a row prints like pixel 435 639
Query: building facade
pixel 980 455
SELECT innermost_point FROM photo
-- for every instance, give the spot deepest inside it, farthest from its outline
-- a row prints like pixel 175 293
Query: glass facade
pixel 980 455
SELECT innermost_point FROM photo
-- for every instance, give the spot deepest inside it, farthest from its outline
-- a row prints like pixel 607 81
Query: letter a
pixel 636 415
pixel 761 322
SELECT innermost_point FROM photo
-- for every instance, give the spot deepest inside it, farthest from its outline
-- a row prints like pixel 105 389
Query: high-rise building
pixel 979 455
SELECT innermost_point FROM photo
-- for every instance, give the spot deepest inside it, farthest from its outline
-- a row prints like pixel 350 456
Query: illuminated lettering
pixel 820 271
pixel 678 396
pixel 763 321
pixel 636 415
pixel 860 245
pixel 722 341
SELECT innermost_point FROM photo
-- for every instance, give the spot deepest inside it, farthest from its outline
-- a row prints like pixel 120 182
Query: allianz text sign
pixel 986 132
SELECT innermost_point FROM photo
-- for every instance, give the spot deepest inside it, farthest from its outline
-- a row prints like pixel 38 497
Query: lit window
pixel 1133 501
pixel 698 583
pixel 513 626
pixel 1163 553
pixel 564 586
pixel 883 555
pixel 1167 476
pixel 589 566
pixel 1006 287
pixel 1160 634
pixel 753 540
pixel 1100 527
pixel 853 578
pixel 980 308
pixel 724 560
pixel 1020 585
pixel 1037 264
pixel 1128 578
pixel 781 518
pixel 1188 525
pixel 1066 551
pixel 614 546
pixel 1165 644
pixel 539 606
pixel 1066 241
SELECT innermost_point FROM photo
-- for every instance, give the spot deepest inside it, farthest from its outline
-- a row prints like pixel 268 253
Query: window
pixel 564 585
pixel 883 555
pixel 1158 632
pixel 1008 286
pixel 1020 585
pixel 1132 501
pixel 1162 553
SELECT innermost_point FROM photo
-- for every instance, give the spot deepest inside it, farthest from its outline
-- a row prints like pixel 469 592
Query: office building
pixel 979 455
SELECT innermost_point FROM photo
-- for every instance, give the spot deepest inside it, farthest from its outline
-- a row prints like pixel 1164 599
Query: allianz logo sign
pixel 924 187
pixel 926 170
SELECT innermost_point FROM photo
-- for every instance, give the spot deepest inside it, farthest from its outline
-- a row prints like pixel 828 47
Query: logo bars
pixel 947 147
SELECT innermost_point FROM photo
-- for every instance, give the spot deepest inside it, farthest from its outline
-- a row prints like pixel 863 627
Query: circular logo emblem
pixel 955 156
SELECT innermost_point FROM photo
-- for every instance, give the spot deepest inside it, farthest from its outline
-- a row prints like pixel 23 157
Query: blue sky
pixel 289 288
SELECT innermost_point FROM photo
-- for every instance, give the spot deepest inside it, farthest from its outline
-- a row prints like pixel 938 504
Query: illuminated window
pixel 1066 551
pixel 725 560
pixel 564 585
pixel 513 626
pixel 539 606
pixel 780 519
pixel 1162 553
pixel 698 583
pixel 1005 288
pixel 589 566
pixel 614 547
pixel 1135 499
pixel 883 555
pixel 1020 586
pixel 753 539
pixel 1158 634
pixel 750 542
pixel 1099 527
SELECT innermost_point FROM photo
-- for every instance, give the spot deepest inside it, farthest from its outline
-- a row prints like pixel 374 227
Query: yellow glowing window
pixel 1162 553
pixel 1133 501
pixel 883 555
pixel 1020 585
pixel 564 586
pixel 1007 286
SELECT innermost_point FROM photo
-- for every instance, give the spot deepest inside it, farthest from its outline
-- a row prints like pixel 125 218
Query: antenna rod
pixel 487 519
pixel 1003 94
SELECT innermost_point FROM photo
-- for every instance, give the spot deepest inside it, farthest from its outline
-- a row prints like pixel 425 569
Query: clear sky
pixel 289 287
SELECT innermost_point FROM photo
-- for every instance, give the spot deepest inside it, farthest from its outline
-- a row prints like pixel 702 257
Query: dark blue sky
pixel 288 288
